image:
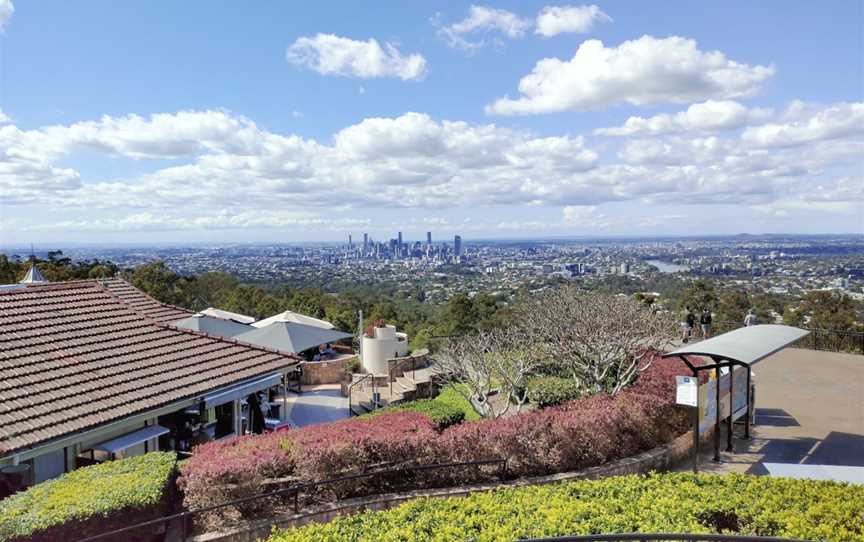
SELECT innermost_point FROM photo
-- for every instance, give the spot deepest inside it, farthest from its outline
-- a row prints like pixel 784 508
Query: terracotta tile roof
pixel 75 355
pixel 143 303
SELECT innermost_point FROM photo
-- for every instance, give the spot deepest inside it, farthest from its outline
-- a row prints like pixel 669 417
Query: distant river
pixel 666 267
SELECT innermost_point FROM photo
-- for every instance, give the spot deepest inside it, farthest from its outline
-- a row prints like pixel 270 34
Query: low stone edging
pixel 660 458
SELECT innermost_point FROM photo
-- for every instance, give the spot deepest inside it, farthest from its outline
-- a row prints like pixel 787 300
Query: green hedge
pixel 451 396
pixel 442 414
pixel 448 408
pixel 742 504
pixel 546 391
pixel 91 500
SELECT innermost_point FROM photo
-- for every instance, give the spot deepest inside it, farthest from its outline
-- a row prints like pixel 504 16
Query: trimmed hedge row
pixel 677 503
pixel 579 434
pixel 443 415
pixel 546 391
pixel 92 500
pixel 448 408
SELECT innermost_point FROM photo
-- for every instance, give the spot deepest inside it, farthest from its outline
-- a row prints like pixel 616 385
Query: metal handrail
pixel 830 337
pixel 353 385
pixel 656 537
pixel 295 491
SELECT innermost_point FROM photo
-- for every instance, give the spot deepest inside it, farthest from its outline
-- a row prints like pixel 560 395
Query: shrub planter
pixel 661 458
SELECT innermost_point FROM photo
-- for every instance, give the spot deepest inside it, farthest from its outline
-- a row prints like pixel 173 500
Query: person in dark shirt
pixel 689 322
pixel 705 321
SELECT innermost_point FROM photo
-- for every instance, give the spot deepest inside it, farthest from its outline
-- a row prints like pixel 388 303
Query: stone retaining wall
pixel 325 372
pixel 659 459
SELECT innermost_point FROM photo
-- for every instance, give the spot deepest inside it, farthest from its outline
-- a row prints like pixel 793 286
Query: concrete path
pixel 809 410
pixel 317 404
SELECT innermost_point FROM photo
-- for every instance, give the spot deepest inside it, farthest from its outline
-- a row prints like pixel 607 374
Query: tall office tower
pixel 350 241
pixel 428 237
pixel 457 245
pixel 365 243
pixel 400 239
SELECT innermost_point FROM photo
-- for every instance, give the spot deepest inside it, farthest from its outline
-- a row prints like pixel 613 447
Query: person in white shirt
pixel 750 319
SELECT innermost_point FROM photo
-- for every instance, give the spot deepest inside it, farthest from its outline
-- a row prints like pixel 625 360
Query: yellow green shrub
pixel 90 500
pixel 741 504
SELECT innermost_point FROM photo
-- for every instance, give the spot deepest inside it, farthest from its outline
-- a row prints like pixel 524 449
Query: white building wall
pixel 386 344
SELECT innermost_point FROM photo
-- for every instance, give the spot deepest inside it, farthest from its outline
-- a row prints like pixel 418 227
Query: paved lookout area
pixel 317 404
pixel 809 411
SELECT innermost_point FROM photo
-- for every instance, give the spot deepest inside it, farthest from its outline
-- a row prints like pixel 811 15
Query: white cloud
pixel 4 118
pixel 6 11
pixel 231 173
pixel 554 20
pixel 708 116
pixel 483 20
pixel 645 71
pixel 217 220
pixel 807 124
pixel 328 54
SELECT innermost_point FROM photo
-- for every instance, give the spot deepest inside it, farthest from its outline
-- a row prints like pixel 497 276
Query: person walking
pixel 689 322
pixel 705 321
pixel 750 319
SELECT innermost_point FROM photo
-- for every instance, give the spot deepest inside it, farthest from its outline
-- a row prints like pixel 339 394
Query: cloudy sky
pixel 153 121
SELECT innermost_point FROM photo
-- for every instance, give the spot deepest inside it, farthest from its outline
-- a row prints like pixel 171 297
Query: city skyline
pixel 156 123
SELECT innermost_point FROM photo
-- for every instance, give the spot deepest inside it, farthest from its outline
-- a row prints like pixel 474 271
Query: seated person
pixel 325 352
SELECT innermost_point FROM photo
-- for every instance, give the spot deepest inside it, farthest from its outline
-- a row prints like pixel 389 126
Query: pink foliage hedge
pixel 575 435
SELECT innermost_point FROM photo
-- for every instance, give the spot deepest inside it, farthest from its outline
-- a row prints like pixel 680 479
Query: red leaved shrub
pixel 586 432
pixel 578 434
pixel 230 469
pixel 324 451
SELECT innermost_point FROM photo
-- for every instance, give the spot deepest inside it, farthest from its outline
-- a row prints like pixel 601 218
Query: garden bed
pixel 576 435
pixel 657 503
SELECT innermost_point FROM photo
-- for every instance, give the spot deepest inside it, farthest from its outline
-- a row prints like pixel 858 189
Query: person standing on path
pixel 750 319
pixel 689 322
pixel 705 321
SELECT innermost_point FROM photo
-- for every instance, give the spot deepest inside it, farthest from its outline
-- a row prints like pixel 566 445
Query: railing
pixel 293 492
pixel 361 383
pixel 655 537
pixel 818 339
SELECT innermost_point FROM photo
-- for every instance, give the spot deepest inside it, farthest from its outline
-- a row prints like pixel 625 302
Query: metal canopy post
pixel 717 416
pixel 696 439
pixel 747 415
pixel 729 447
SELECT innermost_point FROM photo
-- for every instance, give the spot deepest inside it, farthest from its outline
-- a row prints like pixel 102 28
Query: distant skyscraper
pixel 350 241
pixel 428 237
pixel 457 245
pixel 400 239
pixel 365 242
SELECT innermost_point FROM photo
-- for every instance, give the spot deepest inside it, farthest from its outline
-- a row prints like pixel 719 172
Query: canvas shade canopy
pixel 240 391
pixel 213 326
pixel 131 439
pixel 294 317
pixel 290 337
pixel 228 315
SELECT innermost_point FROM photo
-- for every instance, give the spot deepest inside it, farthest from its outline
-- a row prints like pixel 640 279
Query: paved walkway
pixel 317 404
pixel 809 410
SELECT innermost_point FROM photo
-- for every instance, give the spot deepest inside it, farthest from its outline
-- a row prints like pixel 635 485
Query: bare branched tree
pixel 601 341
pixel 490 369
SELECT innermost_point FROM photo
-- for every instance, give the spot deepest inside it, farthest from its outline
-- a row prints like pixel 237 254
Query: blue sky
pixel 270 121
